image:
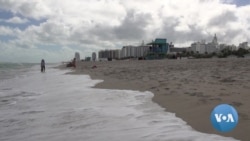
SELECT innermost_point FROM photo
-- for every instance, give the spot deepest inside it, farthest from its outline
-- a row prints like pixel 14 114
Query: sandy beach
pixel 191 88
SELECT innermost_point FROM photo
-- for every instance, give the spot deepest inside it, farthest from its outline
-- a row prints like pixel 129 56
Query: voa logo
pixel 224 118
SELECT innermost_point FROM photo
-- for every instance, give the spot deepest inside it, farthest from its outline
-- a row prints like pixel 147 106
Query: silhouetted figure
pixel 174 56
pixel 72 63
pixel 42 66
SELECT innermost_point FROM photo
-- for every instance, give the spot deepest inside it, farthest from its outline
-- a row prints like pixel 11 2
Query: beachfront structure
pixel 210 48
pixel 215 40
pixel 77 56
pixel 109 54
pixel 199 47
pixel 202 47
pixel 93 56
pixel 124 53
pixel 213 46
pixel 134 51
pixel 159 46
pixel 103 54
pixel 141 51
pixel 158 49
pixel 127 51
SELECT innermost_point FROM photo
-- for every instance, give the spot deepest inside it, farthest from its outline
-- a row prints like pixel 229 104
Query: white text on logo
pixel 221 117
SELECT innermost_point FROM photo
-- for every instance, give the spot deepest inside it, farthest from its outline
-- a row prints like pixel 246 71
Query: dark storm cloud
pixel 133 26
pixel 224 18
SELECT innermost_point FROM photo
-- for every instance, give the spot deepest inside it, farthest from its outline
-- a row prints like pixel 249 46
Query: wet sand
pixel 191 88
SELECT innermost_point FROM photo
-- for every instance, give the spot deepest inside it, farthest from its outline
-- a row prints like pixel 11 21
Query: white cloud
pixel 36 9
pixel 16 20
pixel 7 31
pixel 91 25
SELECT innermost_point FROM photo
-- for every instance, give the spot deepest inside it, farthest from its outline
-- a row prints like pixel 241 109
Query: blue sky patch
pixel 242 2
pixel 5 15
pixel 7 38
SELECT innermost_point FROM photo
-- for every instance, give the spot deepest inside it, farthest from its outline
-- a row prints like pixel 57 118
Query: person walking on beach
pixel 42 65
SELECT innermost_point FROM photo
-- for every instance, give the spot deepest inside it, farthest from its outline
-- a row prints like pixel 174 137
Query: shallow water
pixel 53 106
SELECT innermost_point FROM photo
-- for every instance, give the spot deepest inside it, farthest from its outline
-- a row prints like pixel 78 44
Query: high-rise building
pixel 134 51
pixel 77 56
pixel 199 47
pixel 193 47
pixel 93 56
pixel 202 47
pixel 215 40
pixel 157 46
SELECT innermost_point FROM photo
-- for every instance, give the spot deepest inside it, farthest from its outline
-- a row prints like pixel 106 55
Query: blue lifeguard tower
pixel 158 49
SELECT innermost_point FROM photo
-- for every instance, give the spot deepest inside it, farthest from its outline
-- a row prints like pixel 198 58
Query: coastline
pixel 188 88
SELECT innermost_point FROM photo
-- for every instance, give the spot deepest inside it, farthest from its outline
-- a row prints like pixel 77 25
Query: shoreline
pixel 179 87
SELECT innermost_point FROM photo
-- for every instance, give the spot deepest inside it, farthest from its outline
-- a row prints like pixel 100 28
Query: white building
pixel 93 56
pixel 142 51
pixel 134 51
pixel 202 47
pixel 193 47
pixel 77 56
pixel 213 46
pixel 199 47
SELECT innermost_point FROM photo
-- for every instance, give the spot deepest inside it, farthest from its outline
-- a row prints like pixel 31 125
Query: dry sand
pixel 191 88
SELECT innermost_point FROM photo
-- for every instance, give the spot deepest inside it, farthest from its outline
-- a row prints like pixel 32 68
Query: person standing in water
pixel 42 65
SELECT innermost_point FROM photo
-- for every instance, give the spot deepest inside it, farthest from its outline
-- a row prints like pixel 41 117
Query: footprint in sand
pixel 215 99
pixel 167 88
pixel 222 94
pixel 236 104
pixel 244 116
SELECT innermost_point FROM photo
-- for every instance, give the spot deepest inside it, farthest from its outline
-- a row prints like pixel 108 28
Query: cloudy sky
pixel 55 29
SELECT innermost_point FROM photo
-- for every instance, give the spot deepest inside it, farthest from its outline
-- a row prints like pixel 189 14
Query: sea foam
pixel 55 106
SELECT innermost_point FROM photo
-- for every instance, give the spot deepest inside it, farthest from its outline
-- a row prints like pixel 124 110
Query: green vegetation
pixel 222 54
pixel 227 52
